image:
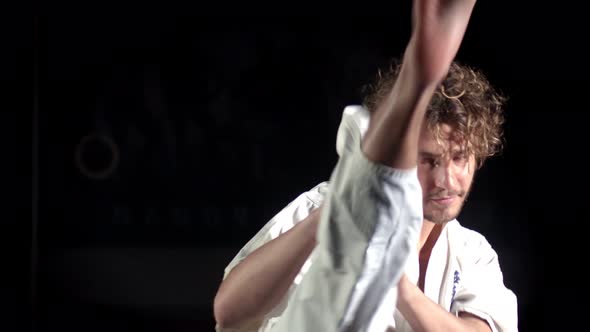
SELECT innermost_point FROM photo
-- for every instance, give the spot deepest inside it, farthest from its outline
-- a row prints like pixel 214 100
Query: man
pixel 378 248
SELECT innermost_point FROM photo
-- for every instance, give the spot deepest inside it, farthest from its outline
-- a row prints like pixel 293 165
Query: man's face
pixel 445 173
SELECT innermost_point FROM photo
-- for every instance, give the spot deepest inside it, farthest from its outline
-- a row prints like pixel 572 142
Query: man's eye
pixel 429 161
pixel 460 158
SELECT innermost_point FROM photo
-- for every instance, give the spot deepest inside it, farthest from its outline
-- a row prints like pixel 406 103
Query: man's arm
pixel 426 316
pixel 258 283
pixel 480 302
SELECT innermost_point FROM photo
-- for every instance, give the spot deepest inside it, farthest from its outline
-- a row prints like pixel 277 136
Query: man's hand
pixel 438 29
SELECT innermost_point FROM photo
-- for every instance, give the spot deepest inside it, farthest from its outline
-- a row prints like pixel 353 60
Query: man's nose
pixel 443 176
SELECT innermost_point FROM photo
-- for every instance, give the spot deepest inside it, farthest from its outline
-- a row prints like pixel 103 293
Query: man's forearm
pixel 258 283
pixel 426 316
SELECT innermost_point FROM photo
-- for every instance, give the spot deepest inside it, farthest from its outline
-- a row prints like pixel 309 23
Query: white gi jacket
pixel 463 272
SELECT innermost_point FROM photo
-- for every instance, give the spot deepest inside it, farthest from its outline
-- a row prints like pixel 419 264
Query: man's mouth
pixel 446 200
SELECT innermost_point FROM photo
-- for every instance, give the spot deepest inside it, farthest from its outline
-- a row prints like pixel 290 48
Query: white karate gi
pixel 354 287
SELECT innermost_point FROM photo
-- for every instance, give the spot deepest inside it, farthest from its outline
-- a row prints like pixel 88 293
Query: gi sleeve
pixel 481 290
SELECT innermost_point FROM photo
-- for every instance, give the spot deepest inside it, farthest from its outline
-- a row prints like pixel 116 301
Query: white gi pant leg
pixel 370 223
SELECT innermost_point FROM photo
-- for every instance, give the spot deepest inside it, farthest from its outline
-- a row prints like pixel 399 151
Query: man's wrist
pixel 407 290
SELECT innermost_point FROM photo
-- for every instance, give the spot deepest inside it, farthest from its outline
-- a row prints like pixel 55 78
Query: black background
pixel 222 114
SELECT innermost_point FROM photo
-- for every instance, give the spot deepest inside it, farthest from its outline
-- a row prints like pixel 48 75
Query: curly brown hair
pixel 465 100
